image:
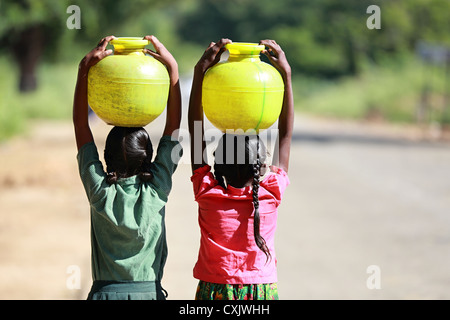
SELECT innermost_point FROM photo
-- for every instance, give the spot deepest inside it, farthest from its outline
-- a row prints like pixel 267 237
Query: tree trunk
pixel 27 49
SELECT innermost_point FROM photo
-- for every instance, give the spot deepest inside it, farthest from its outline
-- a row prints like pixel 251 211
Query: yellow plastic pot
pixel 242 93
pixel 128 88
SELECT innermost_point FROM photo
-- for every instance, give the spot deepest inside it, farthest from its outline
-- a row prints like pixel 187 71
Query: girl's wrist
pixel 286 75
pixel 173 72
pixel 172 69
pixel 83 68
pixel 83 73
pixel 199 72
pixel 172 66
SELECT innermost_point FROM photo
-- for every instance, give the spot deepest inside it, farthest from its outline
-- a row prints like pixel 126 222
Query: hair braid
pixel 260 242
pixel 146 168
pixel 111 175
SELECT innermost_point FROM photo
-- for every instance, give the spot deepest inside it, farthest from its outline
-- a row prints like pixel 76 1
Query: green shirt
pixel 128 237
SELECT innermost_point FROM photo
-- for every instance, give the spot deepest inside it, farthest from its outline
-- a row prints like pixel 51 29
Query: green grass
pixel 52 99
pixel 391 92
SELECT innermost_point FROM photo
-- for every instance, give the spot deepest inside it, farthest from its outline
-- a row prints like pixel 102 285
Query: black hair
pixel 237 159
pixel 128 152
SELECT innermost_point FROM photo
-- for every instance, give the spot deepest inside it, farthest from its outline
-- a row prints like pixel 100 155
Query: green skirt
pixel 126 290
pixel 217 291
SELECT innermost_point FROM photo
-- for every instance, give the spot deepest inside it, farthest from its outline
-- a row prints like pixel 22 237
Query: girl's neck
pixel 240 184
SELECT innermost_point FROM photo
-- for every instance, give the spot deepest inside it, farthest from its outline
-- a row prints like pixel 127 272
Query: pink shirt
pixel 228 252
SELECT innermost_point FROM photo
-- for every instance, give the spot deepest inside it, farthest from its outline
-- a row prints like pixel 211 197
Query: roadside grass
pixel 392 92
pixel 52 99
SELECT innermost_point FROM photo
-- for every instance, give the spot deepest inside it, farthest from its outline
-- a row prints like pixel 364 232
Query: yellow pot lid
pixel 245 48
pixel 122 43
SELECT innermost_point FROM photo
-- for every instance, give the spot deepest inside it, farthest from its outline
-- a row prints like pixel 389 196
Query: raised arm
pixel 286 120
pixel 195 115
pixel 173 117
pixel 83 132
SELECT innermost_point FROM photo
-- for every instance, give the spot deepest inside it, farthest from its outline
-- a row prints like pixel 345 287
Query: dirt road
pixel 359 198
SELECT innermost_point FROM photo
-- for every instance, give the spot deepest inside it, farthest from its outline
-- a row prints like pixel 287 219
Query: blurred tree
pixel 26 28
pixel 325 38
pixel 30 29
pixel 319 35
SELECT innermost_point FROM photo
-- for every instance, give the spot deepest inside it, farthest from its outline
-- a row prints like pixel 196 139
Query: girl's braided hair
pixel 239 158
pixel 128 152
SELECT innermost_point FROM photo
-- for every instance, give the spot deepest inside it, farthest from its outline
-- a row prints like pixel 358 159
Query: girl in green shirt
pixel 128 237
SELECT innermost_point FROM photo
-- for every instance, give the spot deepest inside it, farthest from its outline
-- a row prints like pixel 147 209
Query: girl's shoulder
pixel 275 172
pixel 275 181
pixel 203 180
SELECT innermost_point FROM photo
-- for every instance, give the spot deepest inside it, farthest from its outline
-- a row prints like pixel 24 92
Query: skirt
pixel 127 290
pixel 217 291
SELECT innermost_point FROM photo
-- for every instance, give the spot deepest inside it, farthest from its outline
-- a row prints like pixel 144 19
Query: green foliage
pixel 18 15
pixel 323 38
pixel 341 67
pixel 390 92
pixel 52 100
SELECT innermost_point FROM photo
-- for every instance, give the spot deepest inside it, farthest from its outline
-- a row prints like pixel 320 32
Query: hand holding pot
pixel 97 54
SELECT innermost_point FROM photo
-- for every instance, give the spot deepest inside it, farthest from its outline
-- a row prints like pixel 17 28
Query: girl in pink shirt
pixel 238 210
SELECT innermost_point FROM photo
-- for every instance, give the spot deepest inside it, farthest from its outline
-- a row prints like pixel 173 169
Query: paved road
pixel 365 217
pixel 359 198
